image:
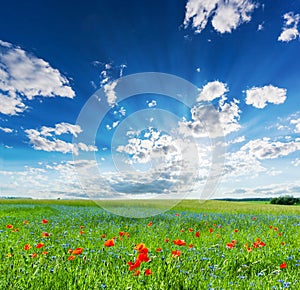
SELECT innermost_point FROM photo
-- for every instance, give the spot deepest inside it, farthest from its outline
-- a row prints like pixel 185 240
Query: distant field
pixel 184 205
pixel 75 244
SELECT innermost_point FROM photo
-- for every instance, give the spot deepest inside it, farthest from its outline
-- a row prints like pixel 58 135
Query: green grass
pixel 208 264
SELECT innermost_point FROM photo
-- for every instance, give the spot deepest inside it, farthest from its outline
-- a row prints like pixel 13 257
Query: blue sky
pixel 242 58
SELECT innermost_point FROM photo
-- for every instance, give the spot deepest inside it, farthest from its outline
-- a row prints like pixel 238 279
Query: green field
pixel 75 244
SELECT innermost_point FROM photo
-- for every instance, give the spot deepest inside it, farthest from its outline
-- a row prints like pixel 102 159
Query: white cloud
pixel 152 104
pixel 110 93
pixel 290 28
pixel 237 140
pixel 226 16
pixel 258 97
pixel 24 76
pixel 46 140
pixel 296 122
pixel 267 149
pixel 6 130
pixel 212 90
pixel 260 27
pixel 296 162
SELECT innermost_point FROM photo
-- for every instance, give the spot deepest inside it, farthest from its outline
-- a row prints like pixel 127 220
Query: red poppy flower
pixel 283 243
pixel 70 251
pixel 77 251
pixel 190 230
pixel 158 249
pixel 33 255
pixel 177 214
pixel 39 245
pixel 45 252
pixel 148 272
pixel 15 230
pixel 135 265
pixel 70 258
pixel 121 234
pixel 254 218
pixel 182 230
pixel 235 230
pixel 166 240
pixel 139 247
pixel 249 249
pixel 26 222
pixel 275 229
pixel 283 265
pixel 271 227
pixel 109 243
pixel 150 224
pixel 197 234
pixel 45 234
pixel 81 232
pixel 179 242
pixel 44 221
pixel 81 227
pixel 9 226
pixel 176 253
pixel 191 245
pixel 229 245
pixel 103 236
pixel 262 244
pixel 137 272
pixel 211 230
pixel 27 247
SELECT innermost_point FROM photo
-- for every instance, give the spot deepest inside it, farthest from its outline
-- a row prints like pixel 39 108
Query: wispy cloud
pixel 24 77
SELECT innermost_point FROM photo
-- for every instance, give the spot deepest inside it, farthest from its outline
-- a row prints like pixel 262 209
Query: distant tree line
pixel 286 200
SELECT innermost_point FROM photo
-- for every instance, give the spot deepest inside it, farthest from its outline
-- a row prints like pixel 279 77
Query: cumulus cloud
pixel 209 121
pixel 152 104
pixel 258 97
pixel 45 139
pixel 225 16
pixel 267 149
pixel 290 28
pixel 24 77
pixel 212 90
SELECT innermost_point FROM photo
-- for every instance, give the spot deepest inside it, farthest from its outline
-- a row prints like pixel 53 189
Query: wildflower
pixel 254 218
pixel 27 247
pixel 249 249
pixel 229 245
pixel 45 253
pixel 81 232
pixel 39 245
pixel 34 255
pixel 271 227
pixel 77 251
pixel 70 251
pixel 103 236
pixel 135 265
pixel 15 230
pixel 9 226
pixel 109 243
pixel 191 246
pixel 182 230
pixel 190 230
pixel 283 265
pixel 26 222
pixel 44 221
pixel 177 214
pixel 235 230
pixel 81 227
pixel 197 234
pixel 148 272
pixel 121 234
pixel 283 243
pixel 45 234
pixel 275 229
pixel 137 272
pixel 176 253
pixel 70 258
pixel 179 242
pixel 211 230
pixel 150 224
pixel 140 246
pixel 158 249
pixel 166 240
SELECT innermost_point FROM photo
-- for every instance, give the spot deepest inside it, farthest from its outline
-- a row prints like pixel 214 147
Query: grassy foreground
pixel 196 245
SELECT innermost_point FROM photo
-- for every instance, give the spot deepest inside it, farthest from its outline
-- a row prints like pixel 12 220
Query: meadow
pixel 210 245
